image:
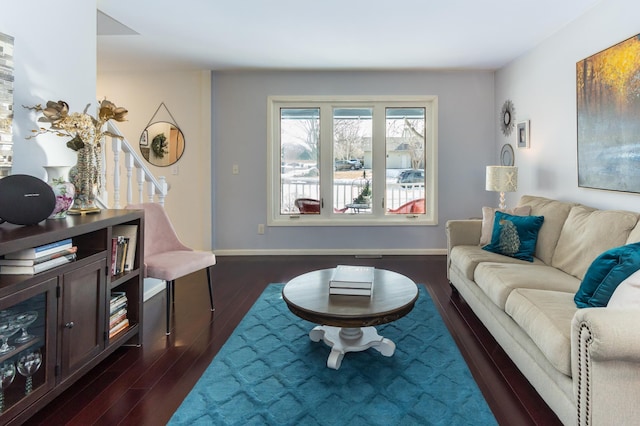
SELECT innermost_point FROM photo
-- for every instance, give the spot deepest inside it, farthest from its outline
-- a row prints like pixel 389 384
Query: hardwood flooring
pixel 145 385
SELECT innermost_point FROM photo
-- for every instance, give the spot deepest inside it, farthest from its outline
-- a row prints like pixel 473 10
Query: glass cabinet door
pixel 27 352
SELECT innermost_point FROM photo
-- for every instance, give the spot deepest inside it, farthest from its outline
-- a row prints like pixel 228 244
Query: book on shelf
pixel 131 233
pixel 348 276
pixel 119 246
pixel 37 268
pixel 117 317
pixel 40 251
pixel 351 291
pixel 118 301
pixel 121 326
pixel 31 262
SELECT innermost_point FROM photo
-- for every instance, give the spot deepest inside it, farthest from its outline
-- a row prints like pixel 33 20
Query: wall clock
pixel 507 117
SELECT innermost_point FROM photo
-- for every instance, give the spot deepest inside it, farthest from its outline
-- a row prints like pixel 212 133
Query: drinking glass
pixel 23 321
pixel 7 374
pixel 28 364
pixel 7 329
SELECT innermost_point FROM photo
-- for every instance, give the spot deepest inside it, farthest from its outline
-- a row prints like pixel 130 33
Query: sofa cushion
pixel 587 233
pixel 546 318
pixel 498 280
pixel 627 294
pixel 465 259
pixel 634 235
pixel 606 272
pixel 555 213
pixel 488 216
pixel 515 236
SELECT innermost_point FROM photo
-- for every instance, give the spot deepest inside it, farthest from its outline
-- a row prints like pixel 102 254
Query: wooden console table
pixel 71 332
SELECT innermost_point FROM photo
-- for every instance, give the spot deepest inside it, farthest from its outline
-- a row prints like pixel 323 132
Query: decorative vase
pixel 57 178
pixel 85 175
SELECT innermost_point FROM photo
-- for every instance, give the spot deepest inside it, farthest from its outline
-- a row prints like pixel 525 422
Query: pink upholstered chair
pixel 413 206
pixel 165 257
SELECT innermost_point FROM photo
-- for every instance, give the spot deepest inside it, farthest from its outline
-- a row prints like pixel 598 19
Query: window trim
pixel 327 217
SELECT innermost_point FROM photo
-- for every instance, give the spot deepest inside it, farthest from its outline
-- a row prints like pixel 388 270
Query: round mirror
pixel 162 143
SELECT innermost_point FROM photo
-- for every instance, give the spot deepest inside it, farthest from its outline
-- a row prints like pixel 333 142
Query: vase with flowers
pixel 86 134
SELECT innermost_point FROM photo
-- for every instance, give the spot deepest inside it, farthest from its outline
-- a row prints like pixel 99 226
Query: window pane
pixel 352 172
pixel 299 160
pixel 405 143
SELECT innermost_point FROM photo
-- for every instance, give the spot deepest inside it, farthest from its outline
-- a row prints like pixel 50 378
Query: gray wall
pixel 542 86
pixel 466 132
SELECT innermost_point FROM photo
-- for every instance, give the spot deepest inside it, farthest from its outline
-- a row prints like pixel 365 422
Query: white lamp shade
pixel 502 178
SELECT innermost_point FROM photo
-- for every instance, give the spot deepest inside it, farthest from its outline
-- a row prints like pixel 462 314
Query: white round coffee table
pixel 347 323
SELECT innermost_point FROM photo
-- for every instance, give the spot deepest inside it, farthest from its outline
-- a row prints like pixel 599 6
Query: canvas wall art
pixel 608 106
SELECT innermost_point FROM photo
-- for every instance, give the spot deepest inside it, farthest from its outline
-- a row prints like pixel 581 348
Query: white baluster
pixel 163 190
pixel 151 191
pixel 116 146
pixel 128 164
pixel 141 179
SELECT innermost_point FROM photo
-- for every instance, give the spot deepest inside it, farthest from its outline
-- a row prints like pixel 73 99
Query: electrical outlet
pixel 261 228
pixel 235 169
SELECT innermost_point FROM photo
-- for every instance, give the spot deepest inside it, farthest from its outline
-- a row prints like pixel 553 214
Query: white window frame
pixel 326 104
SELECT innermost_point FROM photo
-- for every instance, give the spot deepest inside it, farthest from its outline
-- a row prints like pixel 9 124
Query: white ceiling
pixel 325 34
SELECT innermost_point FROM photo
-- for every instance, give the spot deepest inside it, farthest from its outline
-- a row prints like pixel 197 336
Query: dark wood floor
pixel 144 386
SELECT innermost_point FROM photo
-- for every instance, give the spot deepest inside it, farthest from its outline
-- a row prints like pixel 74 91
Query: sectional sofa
pixel 584 362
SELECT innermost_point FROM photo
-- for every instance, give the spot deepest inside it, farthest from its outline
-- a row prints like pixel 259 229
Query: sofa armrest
pixel 605 363
pixel 462 233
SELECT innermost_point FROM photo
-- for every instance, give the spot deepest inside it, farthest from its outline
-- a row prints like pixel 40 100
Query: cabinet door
pixel 83 316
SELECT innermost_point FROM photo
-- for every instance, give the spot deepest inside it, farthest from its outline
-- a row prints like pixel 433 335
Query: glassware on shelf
pixel 7 374
pixel 27 365
pixel 23 321
pixel 7 329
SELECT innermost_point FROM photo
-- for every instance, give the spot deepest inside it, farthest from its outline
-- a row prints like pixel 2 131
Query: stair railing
pixel 156 188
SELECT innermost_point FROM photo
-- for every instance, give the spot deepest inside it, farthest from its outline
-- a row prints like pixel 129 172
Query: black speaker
pixel 25 200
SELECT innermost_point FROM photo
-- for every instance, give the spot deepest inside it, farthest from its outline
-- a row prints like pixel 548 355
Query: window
pixel 361 161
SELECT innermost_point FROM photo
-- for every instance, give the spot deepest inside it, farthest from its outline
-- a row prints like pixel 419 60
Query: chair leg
pixel 170 294
pixel 210 288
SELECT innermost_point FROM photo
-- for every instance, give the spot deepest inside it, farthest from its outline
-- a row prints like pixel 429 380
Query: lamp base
pixel 502 205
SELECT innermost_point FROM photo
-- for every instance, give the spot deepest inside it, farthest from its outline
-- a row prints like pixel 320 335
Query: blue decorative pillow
pixel 605 273
pixel 515 236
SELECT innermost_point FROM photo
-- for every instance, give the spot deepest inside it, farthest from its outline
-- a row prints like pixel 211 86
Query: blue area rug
pixel 270 373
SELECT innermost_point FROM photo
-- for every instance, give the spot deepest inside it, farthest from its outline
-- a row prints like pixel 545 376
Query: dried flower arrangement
pixel 85 133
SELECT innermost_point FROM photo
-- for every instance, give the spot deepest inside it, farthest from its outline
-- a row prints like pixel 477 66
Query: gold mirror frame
pixel 162 143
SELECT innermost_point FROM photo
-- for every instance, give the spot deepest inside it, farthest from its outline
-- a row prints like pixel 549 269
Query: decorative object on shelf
pixel 507 157
pixel 23 321
pixel 64 191
pixel 523 134
pixel 608 115
pixel 28 364
pixel 507 117
pixel 167 140
pixel 502 179
pixel 7 374
pixel 86 133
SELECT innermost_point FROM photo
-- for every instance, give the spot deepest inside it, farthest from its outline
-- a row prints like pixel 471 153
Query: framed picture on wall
pixel 523 134
pixel 144 138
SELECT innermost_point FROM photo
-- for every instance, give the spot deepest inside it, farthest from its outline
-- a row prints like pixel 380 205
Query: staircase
pixel 118 177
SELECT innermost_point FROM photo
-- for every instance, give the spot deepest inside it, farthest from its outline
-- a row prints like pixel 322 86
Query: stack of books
pixel 38 259
pixel 118 320
pixel 352 280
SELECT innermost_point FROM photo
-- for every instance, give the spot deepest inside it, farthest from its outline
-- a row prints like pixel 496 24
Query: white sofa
pixel 585 363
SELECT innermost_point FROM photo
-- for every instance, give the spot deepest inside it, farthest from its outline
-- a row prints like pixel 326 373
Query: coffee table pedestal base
pixel 343 340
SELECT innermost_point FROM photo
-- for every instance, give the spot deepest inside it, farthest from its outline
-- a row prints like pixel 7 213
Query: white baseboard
pixel 333 252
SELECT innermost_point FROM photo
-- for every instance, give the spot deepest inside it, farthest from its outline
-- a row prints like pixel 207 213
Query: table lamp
pixel 502 179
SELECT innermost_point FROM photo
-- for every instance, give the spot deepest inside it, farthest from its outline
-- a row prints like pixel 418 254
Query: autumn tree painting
pixel 608 103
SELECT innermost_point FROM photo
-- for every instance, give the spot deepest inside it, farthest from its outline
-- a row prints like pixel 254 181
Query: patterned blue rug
pixel 270 373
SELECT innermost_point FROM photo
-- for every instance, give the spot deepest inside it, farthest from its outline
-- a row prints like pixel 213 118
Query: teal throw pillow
pixel 515 236
pixel 605 273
